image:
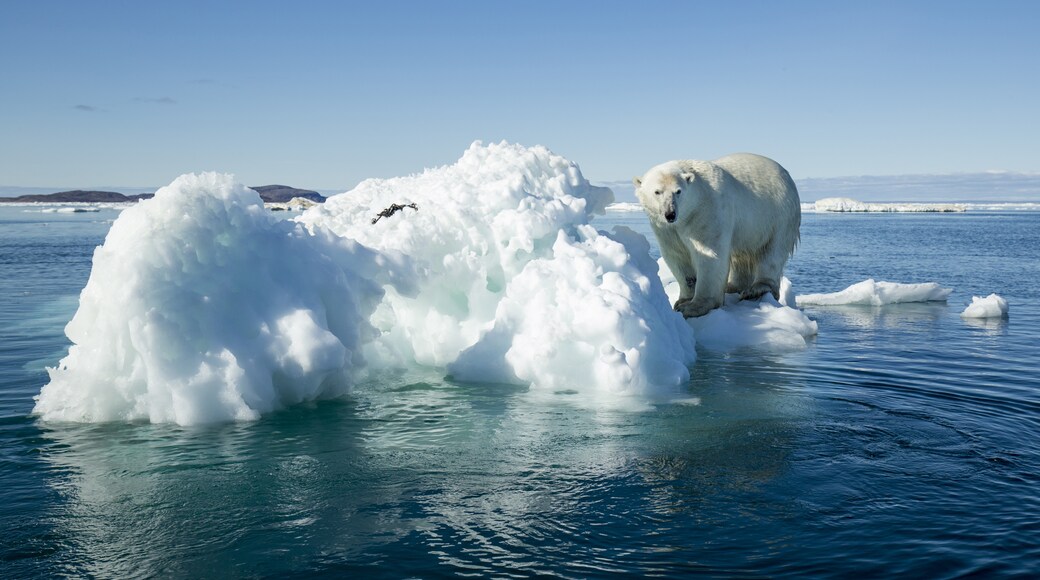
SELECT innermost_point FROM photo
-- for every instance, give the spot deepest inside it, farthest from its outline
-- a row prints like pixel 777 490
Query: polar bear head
pixel 667 193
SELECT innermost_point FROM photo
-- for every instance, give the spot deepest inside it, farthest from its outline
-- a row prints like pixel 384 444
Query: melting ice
pixel 201 306
pixel 992 306
pixel 764 323
pixel 871 293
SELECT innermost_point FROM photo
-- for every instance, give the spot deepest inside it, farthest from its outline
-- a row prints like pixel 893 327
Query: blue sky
pixel 323 94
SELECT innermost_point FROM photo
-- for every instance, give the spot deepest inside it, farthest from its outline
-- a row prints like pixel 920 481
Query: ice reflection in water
pixel 472 477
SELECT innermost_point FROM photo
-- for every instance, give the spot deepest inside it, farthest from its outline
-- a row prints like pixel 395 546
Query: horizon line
pixel 12 190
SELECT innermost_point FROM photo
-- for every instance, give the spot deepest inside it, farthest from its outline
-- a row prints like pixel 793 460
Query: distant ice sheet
pixel 78 209
pixel 1011 206
pixel 624 206
pixel 992 306
pixel 874 293
pixel 844 204
pixel 848 205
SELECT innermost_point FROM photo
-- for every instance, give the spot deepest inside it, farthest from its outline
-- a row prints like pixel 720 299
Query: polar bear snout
pixel 670 215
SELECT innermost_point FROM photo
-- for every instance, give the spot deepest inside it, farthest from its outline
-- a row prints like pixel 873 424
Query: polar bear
pixel 727 225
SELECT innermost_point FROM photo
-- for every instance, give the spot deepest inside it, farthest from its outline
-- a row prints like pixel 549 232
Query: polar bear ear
pixel 688 177
pixel 637 182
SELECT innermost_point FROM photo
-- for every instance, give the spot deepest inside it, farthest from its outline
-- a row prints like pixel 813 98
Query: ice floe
pixel 871 293
pixel 992 306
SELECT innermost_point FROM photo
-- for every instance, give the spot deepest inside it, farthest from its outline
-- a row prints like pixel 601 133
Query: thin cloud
pixel 156 100
pixel 211 82
pixel 86 108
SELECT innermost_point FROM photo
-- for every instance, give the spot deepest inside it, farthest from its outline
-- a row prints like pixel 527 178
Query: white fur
pixel 736 224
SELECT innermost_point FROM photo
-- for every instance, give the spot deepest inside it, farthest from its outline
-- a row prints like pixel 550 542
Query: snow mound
pixel 764 324
pixel 992 306
pixel 584 314
pixel 871 293
pixel 202 307
pixel 514 284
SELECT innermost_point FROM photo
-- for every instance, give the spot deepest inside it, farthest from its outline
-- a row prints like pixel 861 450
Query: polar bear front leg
pixel 712 272
pixel 676 254
pixel 685 274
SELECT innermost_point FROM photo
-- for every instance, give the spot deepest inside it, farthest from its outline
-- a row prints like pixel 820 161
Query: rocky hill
pixel 77 196
pixel 284 193
pixel 268 193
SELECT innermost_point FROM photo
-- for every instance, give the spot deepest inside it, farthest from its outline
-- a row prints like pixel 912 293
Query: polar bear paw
pixel 697 307
pixel 760 289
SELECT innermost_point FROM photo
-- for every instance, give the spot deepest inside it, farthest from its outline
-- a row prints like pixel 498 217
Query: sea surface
pixel 903 441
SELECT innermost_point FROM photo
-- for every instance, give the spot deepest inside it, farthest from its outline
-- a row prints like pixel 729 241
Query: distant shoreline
pixel 977 187
pixel 268 193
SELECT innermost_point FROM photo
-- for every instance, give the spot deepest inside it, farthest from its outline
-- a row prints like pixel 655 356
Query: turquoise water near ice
pixel 902 441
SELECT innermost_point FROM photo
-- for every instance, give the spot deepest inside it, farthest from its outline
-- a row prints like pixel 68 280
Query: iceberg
pixel 992 306
pixel 515 285
pixel 871 293
pixel 201 306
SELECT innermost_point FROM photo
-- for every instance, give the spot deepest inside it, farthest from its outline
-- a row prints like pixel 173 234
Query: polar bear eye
pixel 657 192
pixel 677 191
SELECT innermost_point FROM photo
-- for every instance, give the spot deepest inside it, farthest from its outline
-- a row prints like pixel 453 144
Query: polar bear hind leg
pixel 768 272
pixel 741 272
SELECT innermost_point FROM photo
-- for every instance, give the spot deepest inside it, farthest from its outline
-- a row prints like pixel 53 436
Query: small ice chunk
pixel 992 306
pixel 787 296
pixel 871 293
pixel 689 401
pixel 764 324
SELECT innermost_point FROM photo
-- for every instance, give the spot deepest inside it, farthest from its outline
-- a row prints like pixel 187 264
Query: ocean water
pixel 904 440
